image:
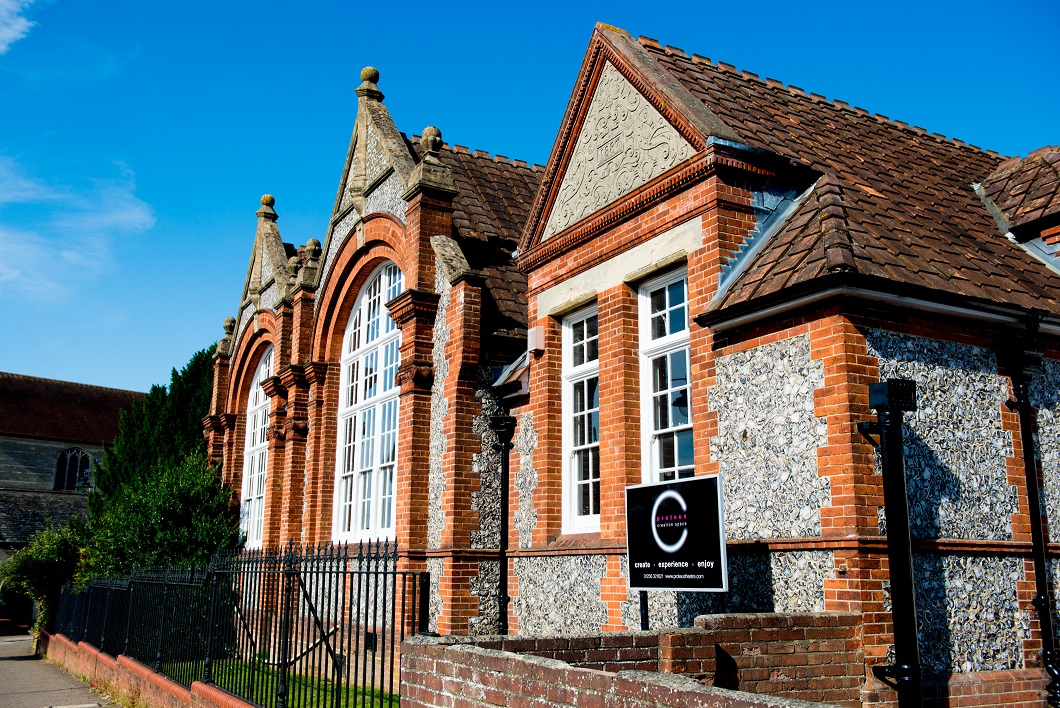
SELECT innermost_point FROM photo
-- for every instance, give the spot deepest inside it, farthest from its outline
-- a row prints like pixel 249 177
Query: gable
pixel 624 143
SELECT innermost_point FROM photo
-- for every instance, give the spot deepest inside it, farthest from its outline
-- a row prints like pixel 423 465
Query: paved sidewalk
pixel 28 682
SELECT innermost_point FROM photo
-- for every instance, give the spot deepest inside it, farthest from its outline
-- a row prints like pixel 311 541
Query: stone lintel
pixel 433 179
pixel 273 387
pixel 413 304
pixel 292 376
pixel 316 372
pixel 416 377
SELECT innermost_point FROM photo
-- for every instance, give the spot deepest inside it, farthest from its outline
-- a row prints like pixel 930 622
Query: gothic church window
pixel 366 459
pixel 72 469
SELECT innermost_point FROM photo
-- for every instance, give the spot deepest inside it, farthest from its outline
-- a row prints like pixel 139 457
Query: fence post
pixel 207 668
pixel 103 629
pixel 424 623
pixel 285 625
pixel 86 612
pixel 162 623
pixel 128 617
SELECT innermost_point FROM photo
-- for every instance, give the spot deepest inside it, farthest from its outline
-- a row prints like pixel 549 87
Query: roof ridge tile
pixel 649 42
pixel 700 59
pixel 675 51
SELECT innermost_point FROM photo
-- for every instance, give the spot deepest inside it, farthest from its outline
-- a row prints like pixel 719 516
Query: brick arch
pixel 246 357
pixel 384 240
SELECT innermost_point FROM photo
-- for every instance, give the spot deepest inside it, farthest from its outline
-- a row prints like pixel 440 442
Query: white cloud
pixel 55 240
pixel 13 26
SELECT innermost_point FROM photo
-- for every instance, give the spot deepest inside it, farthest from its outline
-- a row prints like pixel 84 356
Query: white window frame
pixel 256 455
pixel 573 521
pixel 366 465
pixel 651 349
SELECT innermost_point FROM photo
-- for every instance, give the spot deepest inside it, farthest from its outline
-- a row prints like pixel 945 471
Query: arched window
pixel 72 469
pixel 255 455
pixel 368 413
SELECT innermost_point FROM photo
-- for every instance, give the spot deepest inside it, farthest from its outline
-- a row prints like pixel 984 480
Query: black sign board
pixel 675 536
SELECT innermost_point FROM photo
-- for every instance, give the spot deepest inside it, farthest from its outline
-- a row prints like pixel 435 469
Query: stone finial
pixel 431 141
pixel 312 249
pixel 266 211
pixel 293 264
pixel 229 325
pixel 368 87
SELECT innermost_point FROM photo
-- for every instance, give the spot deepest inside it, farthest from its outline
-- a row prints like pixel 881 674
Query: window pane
pixel 594 427
pixel 676 293
pixel 579 397
pixel 684 448
pixel 662 419
pixel 658 300
pixel 592 350
pixel 677 320
pixel 679 368
pixel 579 430
pixel 658 326
pixel 590 327
pixel 666 451
pixel 660 380
pixel 578 354
pixel 679 407
pixel 577 331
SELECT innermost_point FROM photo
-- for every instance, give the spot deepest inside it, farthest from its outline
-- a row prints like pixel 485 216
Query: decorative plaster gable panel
pixel 624 143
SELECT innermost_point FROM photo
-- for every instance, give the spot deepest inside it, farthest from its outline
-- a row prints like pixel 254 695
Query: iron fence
pixel 282 628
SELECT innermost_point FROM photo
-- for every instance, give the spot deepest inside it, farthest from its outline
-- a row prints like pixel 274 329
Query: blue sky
pixel 136 138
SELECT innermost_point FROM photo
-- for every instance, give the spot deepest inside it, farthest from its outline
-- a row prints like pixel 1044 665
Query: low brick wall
pixel 1018 688
pixel 811 656
pixel 444 673
pixel 615 651
pixel 130 681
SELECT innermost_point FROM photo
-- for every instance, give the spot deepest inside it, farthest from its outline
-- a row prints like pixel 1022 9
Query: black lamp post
pixel 890 399
pixel 503 426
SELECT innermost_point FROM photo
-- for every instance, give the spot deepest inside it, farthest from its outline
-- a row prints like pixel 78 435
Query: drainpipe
pixel 503 426
pixel 1028 363
pixel 890 399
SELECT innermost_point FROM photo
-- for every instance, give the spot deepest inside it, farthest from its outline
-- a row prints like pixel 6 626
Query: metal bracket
pixel 868 428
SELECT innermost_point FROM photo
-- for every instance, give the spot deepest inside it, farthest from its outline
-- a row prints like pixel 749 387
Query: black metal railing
pixel 307 627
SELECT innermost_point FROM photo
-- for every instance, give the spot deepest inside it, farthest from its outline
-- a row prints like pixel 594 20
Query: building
pixel 51 437
pixel 714 270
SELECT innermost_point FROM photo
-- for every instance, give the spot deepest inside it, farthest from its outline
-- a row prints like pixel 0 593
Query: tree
pixel 157 499
pixel 41 568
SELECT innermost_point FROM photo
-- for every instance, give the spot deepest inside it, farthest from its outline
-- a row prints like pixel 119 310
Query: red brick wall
pixel 129 681
pixel 814 657
pixel 443 673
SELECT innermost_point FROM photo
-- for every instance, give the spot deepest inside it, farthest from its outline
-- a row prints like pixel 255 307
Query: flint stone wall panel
pixel 386 197
pixel 338 235
pixel 968 612
pixel 774 581
pixel 955 448
pixel 560 594
pixel 436 482
pixel 767 441
pixel 1045 396
pixel 525 443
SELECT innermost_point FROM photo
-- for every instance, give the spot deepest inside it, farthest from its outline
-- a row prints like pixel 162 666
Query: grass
pixel 255 681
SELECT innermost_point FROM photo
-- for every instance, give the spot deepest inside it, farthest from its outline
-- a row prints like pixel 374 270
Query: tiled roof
pixel 23 512
pixel 1026 189
pixel 60 410
pixel 489 213
pixel 910 210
